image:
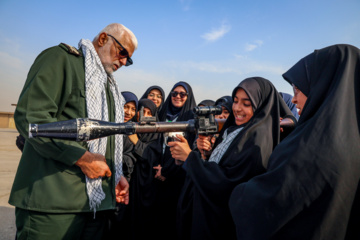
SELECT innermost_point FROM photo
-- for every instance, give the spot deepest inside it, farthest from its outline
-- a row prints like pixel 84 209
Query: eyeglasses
pixel 155 95
pixel 123 53
pixel 182 94
pixel 296 90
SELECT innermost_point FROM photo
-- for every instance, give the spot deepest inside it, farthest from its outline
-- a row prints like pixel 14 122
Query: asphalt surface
pixel 9 160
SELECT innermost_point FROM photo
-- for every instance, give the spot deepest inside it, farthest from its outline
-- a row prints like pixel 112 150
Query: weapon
pixel 85 129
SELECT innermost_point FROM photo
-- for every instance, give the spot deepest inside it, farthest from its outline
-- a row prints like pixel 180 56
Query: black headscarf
pixel 311 188
pixel 145 95
pixel 203 211
pixel 143 156
pixel 185 112
pixel 147 103
pixel 131 97
pixel 168 194
pixel 287 98
pixel 225 101
pixel 207 102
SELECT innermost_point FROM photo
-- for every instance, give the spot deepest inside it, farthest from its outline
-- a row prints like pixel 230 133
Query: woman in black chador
pixel 146 152
pixel 156 94
pixel 311 187
pixel 178 106
pixel 241 151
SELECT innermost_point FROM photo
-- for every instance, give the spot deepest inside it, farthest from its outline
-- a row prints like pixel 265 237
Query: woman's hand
pixel 158 173
pixel 204 143
pixel 180 150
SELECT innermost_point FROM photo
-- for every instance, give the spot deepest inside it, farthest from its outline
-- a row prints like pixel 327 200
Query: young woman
pixel 130 107
pixel 248 137
pixel 178 106
pixel 206 102
pixel 141 213
pixel 289 101
pixel 117 220
pixel 226 105
pixel 311 187
pixel 155 94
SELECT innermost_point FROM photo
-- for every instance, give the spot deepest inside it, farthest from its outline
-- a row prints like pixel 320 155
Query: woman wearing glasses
pixel 311 188
pixel 155 94
pixel 178 106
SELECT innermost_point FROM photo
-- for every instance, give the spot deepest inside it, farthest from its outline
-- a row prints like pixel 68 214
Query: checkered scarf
pixel 223 146
pixel 95 87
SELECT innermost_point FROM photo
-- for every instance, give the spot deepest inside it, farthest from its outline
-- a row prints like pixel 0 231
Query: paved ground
pixel 9 160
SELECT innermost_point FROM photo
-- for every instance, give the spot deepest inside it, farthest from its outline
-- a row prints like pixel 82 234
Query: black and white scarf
pixel 95 87
pixel 224 145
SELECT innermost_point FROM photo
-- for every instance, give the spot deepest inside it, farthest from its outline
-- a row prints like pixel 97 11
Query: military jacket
pixel 47 179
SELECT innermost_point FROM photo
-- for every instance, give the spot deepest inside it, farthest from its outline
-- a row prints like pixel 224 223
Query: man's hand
pixel 180 150
pixel 93 165
pixel 122 191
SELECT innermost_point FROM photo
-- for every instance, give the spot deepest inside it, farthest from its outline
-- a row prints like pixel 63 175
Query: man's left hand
pixel 122 191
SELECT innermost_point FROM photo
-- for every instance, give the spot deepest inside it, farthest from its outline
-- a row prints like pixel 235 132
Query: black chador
pixel 311 187
pixel 203 211
pixel 169 189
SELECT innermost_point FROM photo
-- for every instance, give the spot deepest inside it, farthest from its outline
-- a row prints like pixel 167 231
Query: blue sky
pixel 212 45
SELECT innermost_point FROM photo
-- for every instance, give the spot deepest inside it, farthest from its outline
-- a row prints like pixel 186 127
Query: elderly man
pixel 64 189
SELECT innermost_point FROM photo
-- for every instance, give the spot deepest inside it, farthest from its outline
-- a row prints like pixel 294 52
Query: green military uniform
pixel 47 180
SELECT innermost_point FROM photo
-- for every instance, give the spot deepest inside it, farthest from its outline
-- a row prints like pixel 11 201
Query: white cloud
pixel 137 81
pixel 216 34
pixel 252 46
pixel 240 65
pixel 185 4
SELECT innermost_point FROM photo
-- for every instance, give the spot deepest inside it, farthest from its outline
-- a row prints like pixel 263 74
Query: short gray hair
pixel 117 28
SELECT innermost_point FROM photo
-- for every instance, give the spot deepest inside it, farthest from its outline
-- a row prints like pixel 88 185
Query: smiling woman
pixel 178 106
pixel 248 137
pixel 311 188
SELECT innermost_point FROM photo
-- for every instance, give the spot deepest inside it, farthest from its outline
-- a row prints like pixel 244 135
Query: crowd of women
pixel 247 182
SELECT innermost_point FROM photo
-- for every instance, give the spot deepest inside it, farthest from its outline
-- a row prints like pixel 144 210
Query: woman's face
pixel 129 110
pixel 224 114
pixel 178 101
pixel 299 99
pixel 242 107
pixel 155 96
pixel 146 113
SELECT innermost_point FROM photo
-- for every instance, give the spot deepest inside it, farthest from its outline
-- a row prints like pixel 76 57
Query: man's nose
pixel 123 61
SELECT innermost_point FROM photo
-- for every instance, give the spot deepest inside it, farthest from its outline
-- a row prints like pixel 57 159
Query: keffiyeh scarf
pixel 223 146
pixel 95 87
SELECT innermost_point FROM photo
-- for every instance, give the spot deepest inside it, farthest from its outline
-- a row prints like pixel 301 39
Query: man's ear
pixel 102 40
pixel 138 116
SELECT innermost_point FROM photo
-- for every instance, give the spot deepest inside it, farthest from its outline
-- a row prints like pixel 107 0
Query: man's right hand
pixel 93 165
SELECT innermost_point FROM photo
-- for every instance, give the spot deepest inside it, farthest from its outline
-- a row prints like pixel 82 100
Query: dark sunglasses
pixel 182 94
pixel 123 53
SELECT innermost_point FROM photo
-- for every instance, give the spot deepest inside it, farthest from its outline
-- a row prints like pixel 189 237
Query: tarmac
pixel 9 161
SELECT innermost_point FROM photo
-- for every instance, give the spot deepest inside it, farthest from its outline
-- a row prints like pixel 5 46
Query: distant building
pixel 7 120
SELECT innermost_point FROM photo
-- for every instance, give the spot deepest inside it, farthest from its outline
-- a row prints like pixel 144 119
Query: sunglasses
pixel 155 95
pixel 182 94
pixel 123 53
